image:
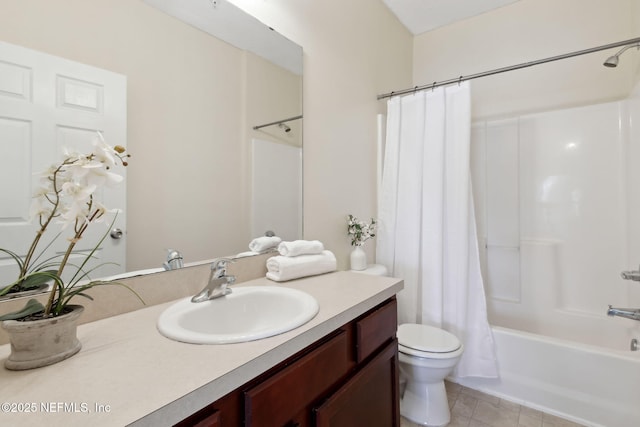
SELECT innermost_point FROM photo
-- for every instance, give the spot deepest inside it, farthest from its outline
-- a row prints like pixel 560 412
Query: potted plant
pixel 44 334
pixel 359 232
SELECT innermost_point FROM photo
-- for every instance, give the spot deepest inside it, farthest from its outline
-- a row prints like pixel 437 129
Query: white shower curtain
pixel 427 232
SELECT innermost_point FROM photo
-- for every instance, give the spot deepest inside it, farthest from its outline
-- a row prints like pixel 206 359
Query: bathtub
pixel 589 385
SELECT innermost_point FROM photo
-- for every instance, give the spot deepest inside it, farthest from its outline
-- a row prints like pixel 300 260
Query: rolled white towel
pixel 300 247
pixel 260 244
pixel 281 268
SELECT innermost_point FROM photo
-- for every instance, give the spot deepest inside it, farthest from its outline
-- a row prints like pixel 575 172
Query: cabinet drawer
pixel 375 329
pixel 370 398
pixel 281 397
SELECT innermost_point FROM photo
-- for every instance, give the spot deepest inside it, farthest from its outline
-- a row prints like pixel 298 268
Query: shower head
pixel 286 128
pixel 612 61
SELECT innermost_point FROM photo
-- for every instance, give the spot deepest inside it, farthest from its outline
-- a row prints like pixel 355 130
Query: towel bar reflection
pixel 278 122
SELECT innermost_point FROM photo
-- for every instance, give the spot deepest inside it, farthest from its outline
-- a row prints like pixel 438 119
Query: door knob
pixel 116 233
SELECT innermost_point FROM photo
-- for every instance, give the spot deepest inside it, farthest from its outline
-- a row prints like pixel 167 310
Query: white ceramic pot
pixel 358 259
pixel 37 343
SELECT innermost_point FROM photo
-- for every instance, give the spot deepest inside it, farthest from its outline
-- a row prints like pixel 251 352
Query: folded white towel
pixel 263 243
pixel 300 247
pixel 281 268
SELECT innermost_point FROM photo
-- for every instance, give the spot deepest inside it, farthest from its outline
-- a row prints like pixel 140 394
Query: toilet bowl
pixel 426 356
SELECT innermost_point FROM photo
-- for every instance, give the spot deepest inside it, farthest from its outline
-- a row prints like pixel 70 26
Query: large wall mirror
pixel 202 78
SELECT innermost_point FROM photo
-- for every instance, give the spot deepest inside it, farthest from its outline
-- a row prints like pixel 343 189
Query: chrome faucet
pixel 628 313
pixel 631 275
pixel 174 260
pixel 218 282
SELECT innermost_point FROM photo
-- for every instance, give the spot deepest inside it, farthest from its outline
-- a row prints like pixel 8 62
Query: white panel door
pixel 48 103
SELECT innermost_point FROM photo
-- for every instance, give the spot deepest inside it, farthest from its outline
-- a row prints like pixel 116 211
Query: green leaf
pixel 30 281
pixel 35 280
pixel 80 294
pixel 5 290
pixel 33 306
pixel 15 256
pixel 42 252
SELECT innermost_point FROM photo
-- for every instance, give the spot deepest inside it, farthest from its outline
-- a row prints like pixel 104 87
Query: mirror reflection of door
pixel 47 104
pixel 194 97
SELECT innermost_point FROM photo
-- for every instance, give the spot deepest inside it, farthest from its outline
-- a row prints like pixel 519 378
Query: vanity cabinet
pixel 366 399
pixel 283 398
pixel 212 420
pixel 348 378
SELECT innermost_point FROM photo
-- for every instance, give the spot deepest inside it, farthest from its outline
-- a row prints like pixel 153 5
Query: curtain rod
pixel 290 119
pixel 510 68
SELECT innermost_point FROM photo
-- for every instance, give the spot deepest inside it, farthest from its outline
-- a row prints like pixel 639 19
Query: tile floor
pixel 471 408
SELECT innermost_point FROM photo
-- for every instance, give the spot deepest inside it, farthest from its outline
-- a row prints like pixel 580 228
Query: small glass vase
pixel 358 259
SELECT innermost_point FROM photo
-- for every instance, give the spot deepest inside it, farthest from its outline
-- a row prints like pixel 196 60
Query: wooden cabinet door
pixel 375 329
pixel 370 398
pixel 281 399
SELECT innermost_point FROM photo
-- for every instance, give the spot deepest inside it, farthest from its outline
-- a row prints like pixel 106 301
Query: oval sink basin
pixel 247 314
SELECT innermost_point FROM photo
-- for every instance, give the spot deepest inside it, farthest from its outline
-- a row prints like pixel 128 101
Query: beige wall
pixel 184 126
pixel 635 13
pixel 353 50
pixel 272 94
pixel 529 30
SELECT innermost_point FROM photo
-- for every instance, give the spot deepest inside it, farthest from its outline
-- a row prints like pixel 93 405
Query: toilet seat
pixel 427 341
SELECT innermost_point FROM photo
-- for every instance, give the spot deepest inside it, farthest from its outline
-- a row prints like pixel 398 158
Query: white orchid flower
pixel 101 176
pixel 99 212
pixel 80 167
pixel 40 207
pixel 45 177
pixel 66 196
pixel 73 212
pixel 104 153
pixel 78 192
pixel 70 154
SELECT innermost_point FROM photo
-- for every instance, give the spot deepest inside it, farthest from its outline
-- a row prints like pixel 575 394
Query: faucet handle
pixel 220 264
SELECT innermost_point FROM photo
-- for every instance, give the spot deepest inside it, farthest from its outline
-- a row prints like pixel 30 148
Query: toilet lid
pixel 427 338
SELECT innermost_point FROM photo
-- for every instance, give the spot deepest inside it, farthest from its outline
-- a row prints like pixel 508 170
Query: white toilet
pixel 426 355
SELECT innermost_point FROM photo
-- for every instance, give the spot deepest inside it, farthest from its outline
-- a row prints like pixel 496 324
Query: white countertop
pixel 127 373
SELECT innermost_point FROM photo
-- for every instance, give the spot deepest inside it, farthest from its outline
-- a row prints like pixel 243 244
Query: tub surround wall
pixel 556 206
pixel 155 288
